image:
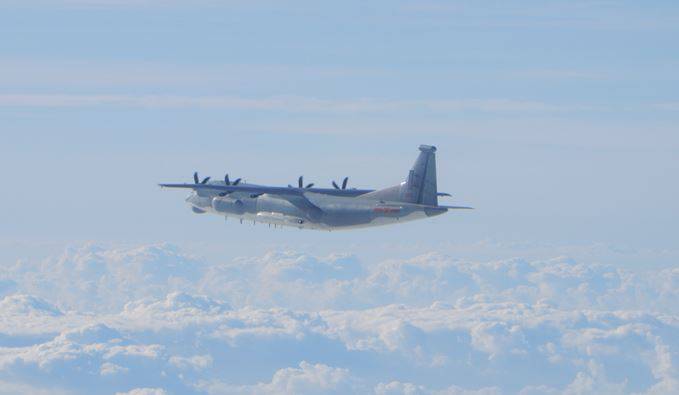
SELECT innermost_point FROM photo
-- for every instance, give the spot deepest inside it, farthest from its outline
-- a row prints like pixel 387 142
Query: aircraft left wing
pixel 294 195
pixel 238 188
pixel 261 189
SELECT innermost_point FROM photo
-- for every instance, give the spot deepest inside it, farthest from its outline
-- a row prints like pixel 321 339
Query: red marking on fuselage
pixel 386 209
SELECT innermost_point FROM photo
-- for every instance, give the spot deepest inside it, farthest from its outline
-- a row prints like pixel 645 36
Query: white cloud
pixel 291 103
pixel 94 278
pixel 144 391
pixel 593 381
pixel 399 388
pixel 194 362
pixel 11 388
pixel 18 304
pixel 501 340
pixel 306 379
pixel 431 324
pixel 103 3
pixel 108 368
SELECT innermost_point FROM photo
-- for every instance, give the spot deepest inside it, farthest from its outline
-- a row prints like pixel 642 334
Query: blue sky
pixel 557 120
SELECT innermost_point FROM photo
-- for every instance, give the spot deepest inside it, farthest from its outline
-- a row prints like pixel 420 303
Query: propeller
pixel 300 183
pixel 197 180
pixel 344 184
pixel 227 182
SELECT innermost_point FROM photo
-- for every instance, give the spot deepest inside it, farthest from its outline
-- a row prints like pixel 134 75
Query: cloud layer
pixel 154 320
pixel 294 104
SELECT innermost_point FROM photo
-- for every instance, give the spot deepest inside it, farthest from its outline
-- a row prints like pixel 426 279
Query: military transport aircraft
pixel 339 207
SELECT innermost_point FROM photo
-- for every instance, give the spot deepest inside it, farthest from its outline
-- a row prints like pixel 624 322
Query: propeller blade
pixel 344 183
pixel 226 179
pixel 335 185
pixel 300 181
pixel 205 180
pixel 195 177
pixel 309 185
pixel 236 182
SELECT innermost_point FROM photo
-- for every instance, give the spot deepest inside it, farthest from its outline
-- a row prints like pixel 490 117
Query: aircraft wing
pixel 260 189
pixel 294 195
pixel 284 192
pixel 237 188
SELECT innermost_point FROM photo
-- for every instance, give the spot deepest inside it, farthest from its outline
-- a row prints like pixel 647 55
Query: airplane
pixel 339 207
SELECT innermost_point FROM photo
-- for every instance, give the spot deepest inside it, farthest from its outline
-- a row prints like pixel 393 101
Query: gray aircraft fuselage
pixel 336 213
pixel 321 208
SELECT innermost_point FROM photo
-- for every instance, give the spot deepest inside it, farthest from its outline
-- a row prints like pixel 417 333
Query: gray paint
pixel 325 208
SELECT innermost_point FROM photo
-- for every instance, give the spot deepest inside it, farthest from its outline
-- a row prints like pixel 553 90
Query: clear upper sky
pixel 557 120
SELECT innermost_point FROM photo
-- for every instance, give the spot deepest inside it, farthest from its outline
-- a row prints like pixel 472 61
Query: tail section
pixel 420 186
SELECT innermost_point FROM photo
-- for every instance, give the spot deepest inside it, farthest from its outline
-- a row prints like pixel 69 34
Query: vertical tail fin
pixel 420 186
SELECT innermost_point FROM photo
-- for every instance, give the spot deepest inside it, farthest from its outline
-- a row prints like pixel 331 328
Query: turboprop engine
pixel 228 205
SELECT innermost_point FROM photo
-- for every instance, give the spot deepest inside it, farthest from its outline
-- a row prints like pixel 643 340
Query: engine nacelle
pixel 228 205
